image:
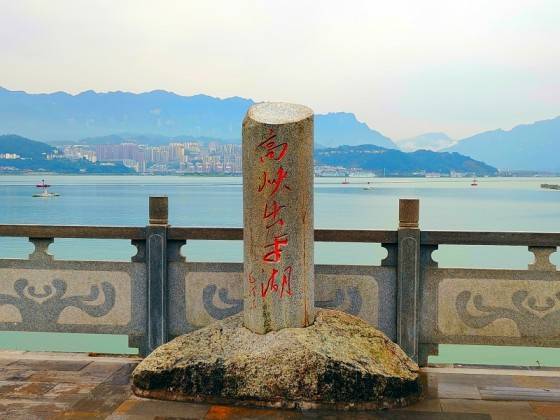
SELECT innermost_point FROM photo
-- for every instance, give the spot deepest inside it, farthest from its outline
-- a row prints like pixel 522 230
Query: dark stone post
pixel 408 276
pixel 156 259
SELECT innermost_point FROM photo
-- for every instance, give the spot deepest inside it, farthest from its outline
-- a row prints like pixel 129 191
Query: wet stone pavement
pixel 77 386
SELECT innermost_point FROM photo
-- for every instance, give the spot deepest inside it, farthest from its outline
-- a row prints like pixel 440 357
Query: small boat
pixel 369 186
pixel 474 182
pixel 345 181
pixel 45 192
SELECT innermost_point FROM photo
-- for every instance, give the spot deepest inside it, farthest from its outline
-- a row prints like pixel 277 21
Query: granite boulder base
pixel 339 362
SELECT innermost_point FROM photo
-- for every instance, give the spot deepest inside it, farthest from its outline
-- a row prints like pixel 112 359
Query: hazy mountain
pixel 23 147
pixel 427 141
pixel 395 162
pixel 61 117
pixel 525 147
pixel 332 130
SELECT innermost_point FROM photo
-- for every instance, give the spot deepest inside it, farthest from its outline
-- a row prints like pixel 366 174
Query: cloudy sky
pixel 404 67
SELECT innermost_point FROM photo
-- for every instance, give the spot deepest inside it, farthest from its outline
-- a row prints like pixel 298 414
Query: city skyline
pixel 189 156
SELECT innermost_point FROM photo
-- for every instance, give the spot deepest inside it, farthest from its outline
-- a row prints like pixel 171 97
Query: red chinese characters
pixel 272 214
pixel 275 255
pixel 274 151
pixel 272 284
pixel 274 185
pixel 252 291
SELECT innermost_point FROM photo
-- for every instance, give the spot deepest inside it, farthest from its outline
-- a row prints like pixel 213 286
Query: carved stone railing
pixel 489 306
pixel 158 294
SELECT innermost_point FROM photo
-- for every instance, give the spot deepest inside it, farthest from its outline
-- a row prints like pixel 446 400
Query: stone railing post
pixel 408 276
pixel 156 261
pixel 278 217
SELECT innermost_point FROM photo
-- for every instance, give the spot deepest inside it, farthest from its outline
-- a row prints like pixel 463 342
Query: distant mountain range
pixel 526 147
pixel 335 129
pixel 158 117
pixel 533 146
pixel 427 141
pixel 61 117
pixel 395 162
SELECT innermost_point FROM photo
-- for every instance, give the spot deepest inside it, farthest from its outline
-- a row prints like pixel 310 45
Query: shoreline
pixel 239 175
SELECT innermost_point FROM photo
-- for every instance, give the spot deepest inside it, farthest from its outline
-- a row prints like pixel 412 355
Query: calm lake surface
pixel 497 204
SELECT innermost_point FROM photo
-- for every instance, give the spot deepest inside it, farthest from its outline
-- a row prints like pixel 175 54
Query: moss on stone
pixel 338 359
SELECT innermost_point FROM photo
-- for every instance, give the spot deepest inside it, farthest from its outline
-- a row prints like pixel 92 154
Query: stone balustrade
pixel 158 295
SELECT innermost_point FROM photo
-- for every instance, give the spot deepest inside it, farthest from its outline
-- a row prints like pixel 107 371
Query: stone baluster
pixel 40 252
pixel 542 258
pixel 408 276
pixel 156 259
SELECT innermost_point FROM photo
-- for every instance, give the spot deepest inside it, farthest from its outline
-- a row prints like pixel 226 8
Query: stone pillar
pixel 408 276
pixel 156 259
pixel 278 217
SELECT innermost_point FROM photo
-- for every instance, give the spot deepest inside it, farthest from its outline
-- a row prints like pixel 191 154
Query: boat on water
pixel 345 181
pixel 45 193
pixel 474 182
pixel 369 186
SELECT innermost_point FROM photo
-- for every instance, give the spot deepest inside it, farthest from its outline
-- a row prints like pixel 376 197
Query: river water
pixel 496 204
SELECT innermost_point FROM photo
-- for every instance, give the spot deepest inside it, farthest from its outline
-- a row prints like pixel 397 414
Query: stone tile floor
pixel 76 386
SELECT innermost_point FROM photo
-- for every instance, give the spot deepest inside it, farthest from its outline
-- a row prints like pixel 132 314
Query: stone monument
pixel 281 352
pixel 278 217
